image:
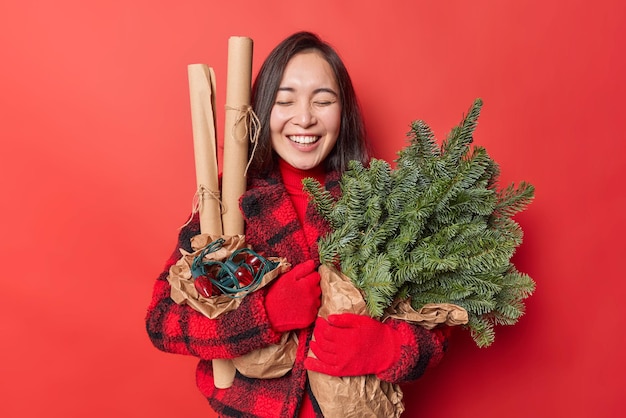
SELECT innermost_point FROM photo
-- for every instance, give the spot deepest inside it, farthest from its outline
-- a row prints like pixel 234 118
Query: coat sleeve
pixel 180 329
pixel 420 350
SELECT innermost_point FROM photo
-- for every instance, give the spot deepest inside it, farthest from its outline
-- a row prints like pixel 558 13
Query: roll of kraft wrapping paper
pixel 236 133
pixel 201 89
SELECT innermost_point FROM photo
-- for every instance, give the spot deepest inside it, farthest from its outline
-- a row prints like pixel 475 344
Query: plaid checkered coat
pixel 272 227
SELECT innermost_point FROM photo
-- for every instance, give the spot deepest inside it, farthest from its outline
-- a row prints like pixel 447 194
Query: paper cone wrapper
pixel 430 315
pixel 367 396
pixel 350 397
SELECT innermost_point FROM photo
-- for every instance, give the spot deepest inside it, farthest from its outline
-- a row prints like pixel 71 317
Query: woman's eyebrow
pixel 325 90
pixel 316 91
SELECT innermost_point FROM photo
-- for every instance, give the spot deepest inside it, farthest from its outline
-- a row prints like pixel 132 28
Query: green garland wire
pixel 225 279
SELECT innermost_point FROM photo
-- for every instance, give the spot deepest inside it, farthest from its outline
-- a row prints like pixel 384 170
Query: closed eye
pixel 323 103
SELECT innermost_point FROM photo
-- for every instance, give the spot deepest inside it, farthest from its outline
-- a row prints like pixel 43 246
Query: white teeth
pixel 301 139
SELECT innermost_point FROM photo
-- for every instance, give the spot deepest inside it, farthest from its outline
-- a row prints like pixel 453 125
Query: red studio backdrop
pixel 97 175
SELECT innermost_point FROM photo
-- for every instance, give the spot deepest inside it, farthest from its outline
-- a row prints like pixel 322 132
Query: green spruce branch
pixel 435 229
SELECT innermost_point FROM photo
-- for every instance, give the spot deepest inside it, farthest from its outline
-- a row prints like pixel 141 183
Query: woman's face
pixel 306 115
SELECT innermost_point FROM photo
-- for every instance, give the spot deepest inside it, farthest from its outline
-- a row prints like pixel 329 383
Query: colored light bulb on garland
pixel 203 286
pixel 254 261
pixel 244 276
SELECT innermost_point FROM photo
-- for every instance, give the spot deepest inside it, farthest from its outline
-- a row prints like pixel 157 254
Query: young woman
pixel 311 126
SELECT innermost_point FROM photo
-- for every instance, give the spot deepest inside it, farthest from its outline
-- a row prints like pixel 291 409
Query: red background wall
pixel 97 174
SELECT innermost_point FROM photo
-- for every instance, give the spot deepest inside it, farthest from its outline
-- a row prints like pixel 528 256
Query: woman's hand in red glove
pixel 353 345
pixel 293 300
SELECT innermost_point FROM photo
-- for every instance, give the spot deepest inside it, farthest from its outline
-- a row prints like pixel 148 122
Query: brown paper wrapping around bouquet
pixel 358 396
pixel 183 290
pixel 429 315
pixel 367 396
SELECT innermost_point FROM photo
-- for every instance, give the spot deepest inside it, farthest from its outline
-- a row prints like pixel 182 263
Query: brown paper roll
pixel 235 157
pixel 235 138
pixel 201 88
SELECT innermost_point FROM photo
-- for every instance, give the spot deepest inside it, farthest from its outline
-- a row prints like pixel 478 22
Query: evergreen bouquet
pixel 435 232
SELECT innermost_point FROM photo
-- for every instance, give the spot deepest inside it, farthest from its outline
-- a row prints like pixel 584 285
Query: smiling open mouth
pixel 304 139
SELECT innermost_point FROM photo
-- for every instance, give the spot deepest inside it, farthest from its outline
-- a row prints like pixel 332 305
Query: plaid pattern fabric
pixel 272 227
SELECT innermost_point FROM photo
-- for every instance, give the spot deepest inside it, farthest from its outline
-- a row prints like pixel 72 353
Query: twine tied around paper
pixel 202 193
pixel 252 126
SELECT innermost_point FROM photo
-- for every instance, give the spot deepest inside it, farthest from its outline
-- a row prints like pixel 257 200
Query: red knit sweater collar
pixel 292 177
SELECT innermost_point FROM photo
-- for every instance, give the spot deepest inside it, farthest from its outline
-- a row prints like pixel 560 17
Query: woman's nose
pixel 303 115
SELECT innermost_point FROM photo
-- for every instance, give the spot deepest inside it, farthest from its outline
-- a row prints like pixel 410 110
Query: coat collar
pixel 272 225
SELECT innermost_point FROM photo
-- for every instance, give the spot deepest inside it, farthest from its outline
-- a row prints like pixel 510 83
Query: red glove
pixel 293 300
pixel 353 345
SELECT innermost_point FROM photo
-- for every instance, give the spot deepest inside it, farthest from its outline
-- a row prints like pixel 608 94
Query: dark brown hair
pixel 351 143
